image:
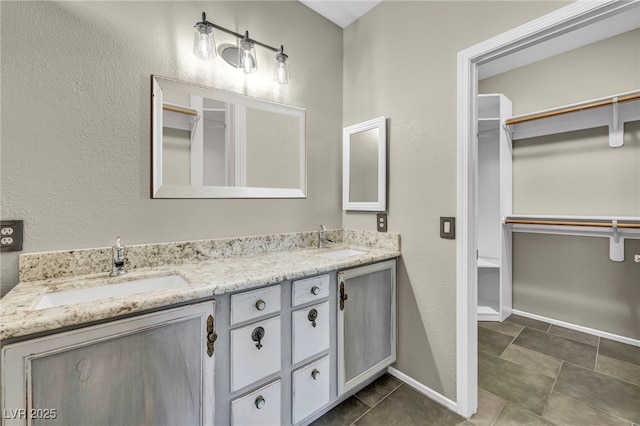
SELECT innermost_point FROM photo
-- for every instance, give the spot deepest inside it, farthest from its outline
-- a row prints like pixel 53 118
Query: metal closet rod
pixel 573 109
pixel 178 109
pixel 571 223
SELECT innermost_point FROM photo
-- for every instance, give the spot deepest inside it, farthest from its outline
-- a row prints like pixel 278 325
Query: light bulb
pixel 281 71
pixel 203 43
pixel 247 55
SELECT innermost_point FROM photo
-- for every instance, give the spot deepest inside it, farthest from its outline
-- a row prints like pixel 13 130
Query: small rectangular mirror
pixel 208 143
pixel 364 172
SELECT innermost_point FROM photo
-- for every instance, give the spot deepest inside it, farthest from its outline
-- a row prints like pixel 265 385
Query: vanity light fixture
pixel 243 56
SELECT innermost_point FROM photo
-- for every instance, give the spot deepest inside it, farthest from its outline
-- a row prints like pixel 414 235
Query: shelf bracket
pixel 616 127
pixel 616 244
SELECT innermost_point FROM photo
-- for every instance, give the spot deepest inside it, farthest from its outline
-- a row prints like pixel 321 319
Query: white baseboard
pixel 599 333
pixel 426 391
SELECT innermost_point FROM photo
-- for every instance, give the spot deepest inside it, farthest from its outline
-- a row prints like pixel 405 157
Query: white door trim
pixel 552 27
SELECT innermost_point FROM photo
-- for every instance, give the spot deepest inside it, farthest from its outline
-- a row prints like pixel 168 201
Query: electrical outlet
pixel 382 222
pixel 11 235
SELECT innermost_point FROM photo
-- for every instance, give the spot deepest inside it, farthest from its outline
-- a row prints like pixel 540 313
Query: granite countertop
pixel 205 279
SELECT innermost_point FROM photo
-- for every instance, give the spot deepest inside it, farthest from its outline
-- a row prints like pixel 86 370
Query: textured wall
pixel 565 277
pixel 76 119
pixel 400 61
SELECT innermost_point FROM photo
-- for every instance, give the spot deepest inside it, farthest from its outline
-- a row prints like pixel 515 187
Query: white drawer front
pixel 250 363
pixel 310 389
pixel 253 304
pixel 307 339
pixel 305 290
pixel 260 407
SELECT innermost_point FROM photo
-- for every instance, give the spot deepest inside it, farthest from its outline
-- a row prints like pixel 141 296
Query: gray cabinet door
pixel 152 369
pixel 366 322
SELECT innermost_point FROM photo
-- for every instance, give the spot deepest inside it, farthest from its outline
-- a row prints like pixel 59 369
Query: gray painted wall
pixel 76 119
pixel 418 95
pixel 572 278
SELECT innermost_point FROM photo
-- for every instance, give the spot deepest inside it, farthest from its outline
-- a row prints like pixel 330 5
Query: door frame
pixel 575 19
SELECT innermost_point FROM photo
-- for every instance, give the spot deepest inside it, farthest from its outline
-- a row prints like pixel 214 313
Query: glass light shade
pixel 203 44
pixel 247 60
pixel 281 71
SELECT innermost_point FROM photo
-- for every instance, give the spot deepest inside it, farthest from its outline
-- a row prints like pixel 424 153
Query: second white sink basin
pixel 71 297
pixel 341 254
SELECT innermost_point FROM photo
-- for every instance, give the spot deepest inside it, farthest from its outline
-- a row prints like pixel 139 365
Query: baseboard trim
pixel 426 391
pixel 599 333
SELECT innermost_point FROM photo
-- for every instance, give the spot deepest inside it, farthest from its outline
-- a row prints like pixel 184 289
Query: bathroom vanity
pixel 270 338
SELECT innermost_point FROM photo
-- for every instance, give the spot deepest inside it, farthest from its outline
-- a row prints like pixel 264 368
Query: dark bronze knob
pixel 312 316
pixel 257 335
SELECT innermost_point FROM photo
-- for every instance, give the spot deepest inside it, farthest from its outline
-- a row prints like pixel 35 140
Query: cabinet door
pixel 310 331
pixel 366 322
pixel 253 359
pixel 151 369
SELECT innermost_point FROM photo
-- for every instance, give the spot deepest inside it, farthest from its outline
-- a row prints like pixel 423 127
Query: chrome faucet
pixel 118 259
pixel 322 239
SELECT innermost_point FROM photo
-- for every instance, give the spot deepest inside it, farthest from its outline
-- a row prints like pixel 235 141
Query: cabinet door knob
pixel 315 374
pixel 260 402
pixel 257 335
pixel 312 316
pixel 315 290
pixel 261 304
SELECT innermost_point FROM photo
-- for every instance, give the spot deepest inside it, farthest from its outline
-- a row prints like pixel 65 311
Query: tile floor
pixel 529 373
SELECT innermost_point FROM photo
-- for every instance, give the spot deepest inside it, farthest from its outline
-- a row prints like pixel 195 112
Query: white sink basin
pixel 71 297
pixel 341 254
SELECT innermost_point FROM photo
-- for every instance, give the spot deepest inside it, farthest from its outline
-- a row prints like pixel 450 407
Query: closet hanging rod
pixel 181 110
pixel 574 109
pixel 572 223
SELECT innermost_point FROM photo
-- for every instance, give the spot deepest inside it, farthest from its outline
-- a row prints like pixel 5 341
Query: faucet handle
pixel 323 228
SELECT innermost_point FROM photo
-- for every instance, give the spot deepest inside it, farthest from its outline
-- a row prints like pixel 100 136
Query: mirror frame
pixel 161 190
pixel 380 205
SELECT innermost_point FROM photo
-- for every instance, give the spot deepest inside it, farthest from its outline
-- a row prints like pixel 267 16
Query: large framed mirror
pixel 209 143
pixel 364 171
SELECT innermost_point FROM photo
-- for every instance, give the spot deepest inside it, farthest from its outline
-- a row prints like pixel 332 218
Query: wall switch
pixel 11 235
pixel 636 258
pixel 381 221
pixel 448 228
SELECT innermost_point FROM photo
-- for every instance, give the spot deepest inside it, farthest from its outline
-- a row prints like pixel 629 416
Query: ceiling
pixel 341 12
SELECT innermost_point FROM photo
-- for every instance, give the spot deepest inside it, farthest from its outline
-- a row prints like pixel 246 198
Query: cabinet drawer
pixel 310 389
pixel 260 407
pixel 253 304
pixel 307 339
pixel 252 360
pixel 310 289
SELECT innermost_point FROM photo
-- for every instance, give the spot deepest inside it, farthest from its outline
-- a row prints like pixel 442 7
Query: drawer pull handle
pixel 260 402
pixel 315 374
pixel 261 304
pixel 315 290
pixel 313 315
pixel 257 335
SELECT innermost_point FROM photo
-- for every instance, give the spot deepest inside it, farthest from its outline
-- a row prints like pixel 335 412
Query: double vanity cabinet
pixel 278 354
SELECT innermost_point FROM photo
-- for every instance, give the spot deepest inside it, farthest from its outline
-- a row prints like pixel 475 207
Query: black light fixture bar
pixel 233 33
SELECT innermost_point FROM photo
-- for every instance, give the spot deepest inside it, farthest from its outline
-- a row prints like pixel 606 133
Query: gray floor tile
pixel 528 322
pixel 589 339
pixel 566 411
pixel 558 347
pixel 620 351
pixel 489 405
pixel 514 383
pixel 618 369
pixel 344 414
pixel 512 415
pixel 504 327
pixel 599 391
pixel 492 342
pixel 377 390
pixel 406 407
pixel 533 360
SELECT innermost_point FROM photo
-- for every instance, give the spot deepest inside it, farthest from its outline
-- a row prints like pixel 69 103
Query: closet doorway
pixel 576 25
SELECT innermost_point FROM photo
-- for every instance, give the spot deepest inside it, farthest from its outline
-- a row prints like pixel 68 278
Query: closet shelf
pixel 612 112
pixel 615 228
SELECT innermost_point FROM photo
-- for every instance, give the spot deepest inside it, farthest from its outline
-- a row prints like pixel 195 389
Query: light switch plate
pixel 448 228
